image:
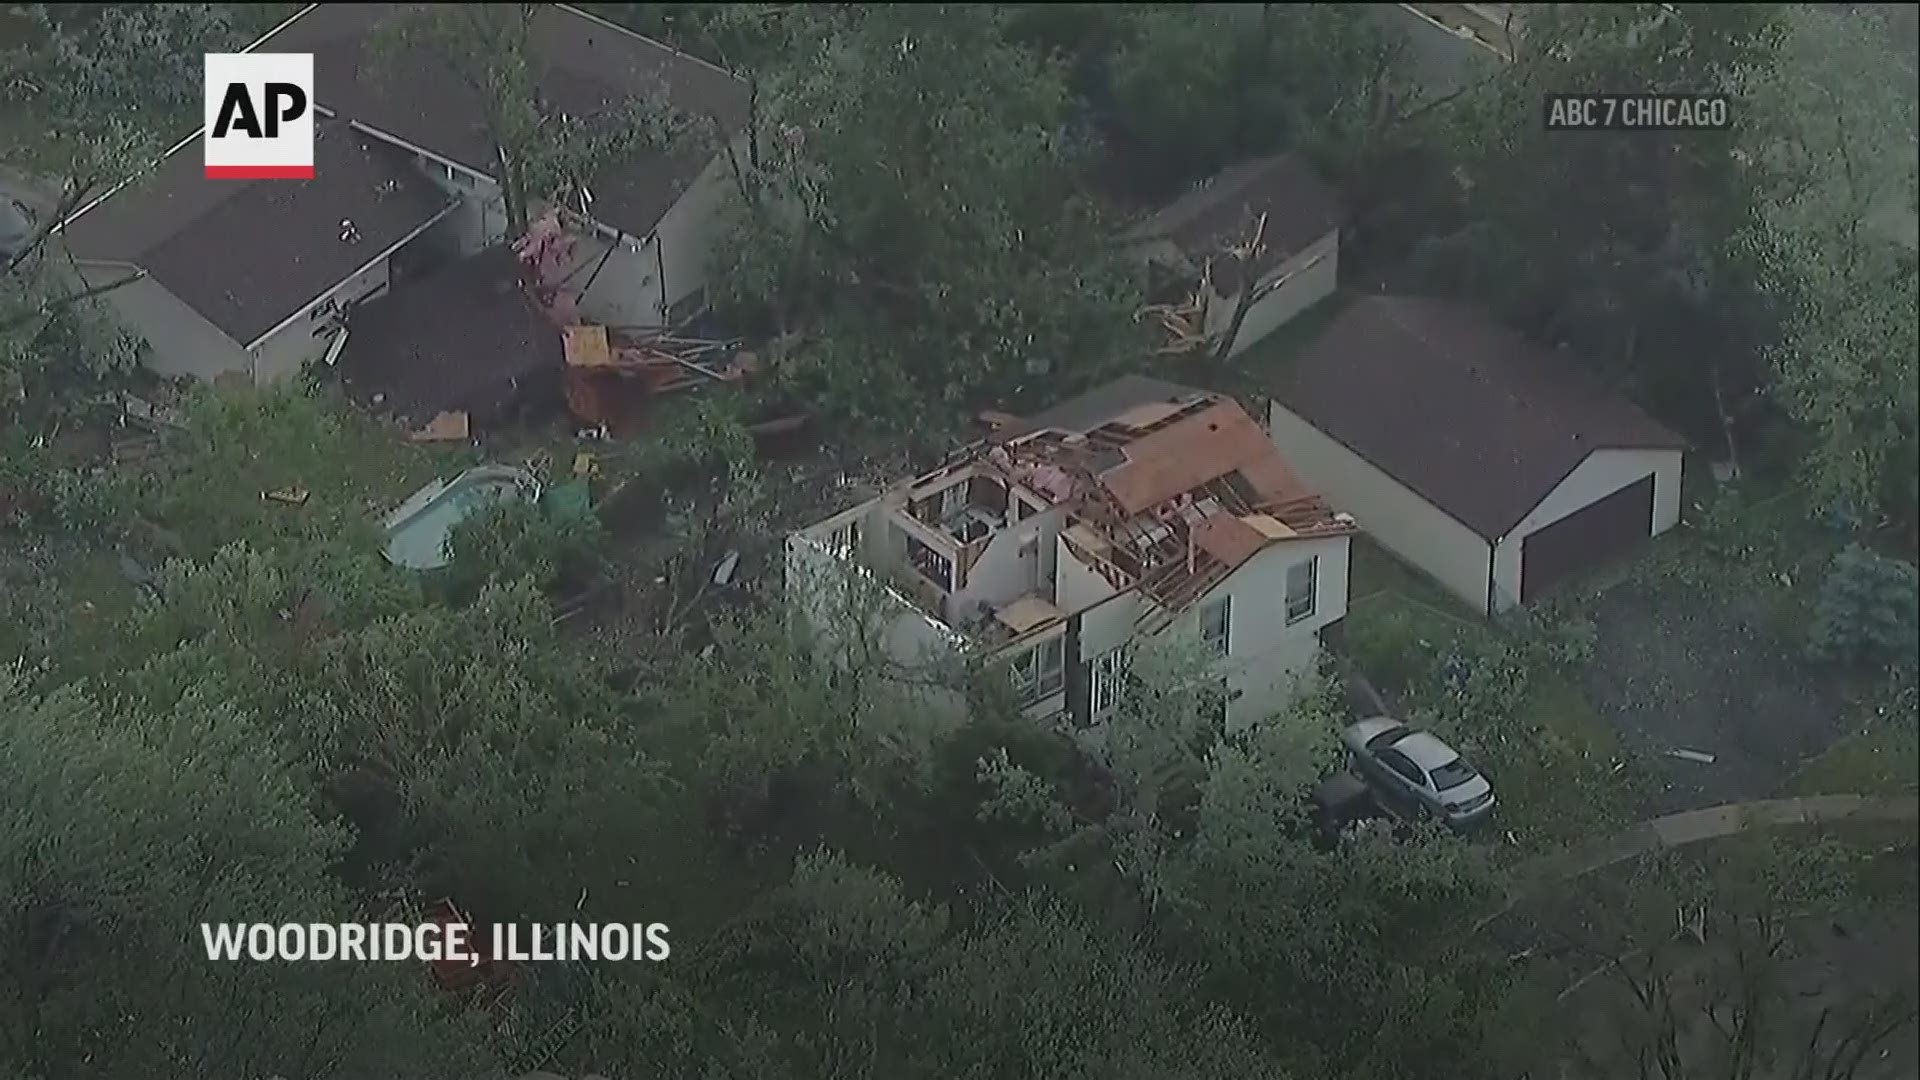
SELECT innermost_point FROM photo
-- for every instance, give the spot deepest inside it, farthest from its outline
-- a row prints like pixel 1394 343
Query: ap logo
pixel 259 116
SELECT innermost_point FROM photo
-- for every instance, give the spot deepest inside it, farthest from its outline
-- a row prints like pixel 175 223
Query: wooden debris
pixel 446 427
pixel 584 466
pixel 291 496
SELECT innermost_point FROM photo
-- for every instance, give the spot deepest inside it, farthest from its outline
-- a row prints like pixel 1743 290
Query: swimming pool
pixel 418 529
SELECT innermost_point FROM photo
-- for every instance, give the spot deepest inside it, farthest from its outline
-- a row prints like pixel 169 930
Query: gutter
pixel 1493 550
pixel 197 132
pixel 368 265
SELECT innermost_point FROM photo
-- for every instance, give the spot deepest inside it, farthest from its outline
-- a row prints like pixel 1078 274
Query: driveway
pixel 1714 672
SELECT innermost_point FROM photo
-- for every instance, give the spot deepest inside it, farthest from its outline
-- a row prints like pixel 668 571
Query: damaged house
pixel 259 277
pixel 1241 254
pixel 1138 509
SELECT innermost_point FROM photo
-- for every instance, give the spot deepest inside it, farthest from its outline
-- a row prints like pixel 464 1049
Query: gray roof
pixel 583 66
pixel 1299 206
pixel 1476 419
pixel 248 254
pixel 1101 404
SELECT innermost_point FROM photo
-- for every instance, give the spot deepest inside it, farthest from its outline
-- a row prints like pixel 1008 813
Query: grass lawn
pixel 1559 774
pixel 1882 758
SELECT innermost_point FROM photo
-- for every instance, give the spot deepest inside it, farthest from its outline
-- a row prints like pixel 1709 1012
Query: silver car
pixel 1418 772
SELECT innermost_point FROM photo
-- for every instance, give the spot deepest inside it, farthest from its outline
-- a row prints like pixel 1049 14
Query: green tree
pixel 541 155
pixel 916 220
pixel 121 836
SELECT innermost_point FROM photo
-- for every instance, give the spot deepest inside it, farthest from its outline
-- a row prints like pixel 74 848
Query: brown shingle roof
pixel 585 66
pixel 1191 453
pixel 465 337
pixel 1479 421
pixel 248 254
pixel 1220 213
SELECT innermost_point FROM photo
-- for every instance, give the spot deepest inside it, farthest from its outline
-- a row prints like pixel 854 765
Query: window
pixel 1216 620
pixel 1104 679
pixel 1041 671
pixel 1400 763
pixel 1303 579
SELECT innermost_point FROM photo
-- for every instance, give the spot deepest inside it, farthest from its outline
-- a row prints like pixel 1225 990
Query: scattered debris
pixel 584 466
pixel 723 574
pixel 142 411
pixel 1699 756
pixel 444 427
pixel 349 232
pixel 291 496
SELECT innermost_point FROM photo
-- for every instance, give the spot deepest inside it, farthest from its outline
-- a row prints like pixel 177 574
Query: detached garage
pixel 1491 463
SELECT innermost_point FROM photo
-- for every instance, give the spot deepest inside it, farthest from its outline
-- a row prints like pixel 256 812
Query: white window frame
pixel 1220 642
pixel 1299 609
pixel 1034 679
pixel 1105 679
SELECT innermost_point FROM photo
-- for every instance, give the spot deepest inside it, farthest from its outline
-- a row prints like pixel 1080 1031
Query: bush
pixel 1868 613
pixel 512 540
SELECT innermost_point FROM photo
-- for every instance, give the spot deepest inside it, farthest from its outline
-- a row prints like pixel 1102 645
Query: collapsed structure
pixel 1138 509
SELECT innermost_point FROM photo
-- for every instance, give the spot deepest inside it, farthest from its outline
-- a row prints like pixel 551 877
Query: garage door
pixel 1586 538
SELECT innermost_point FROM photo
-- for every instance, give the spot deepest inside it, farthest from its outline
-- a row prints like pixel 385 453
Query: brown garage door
pixel 1586 538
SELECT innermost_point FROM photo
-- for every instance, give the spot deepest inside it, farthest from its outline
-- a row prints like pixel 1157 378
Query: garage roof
pixel 248 254
pixel 1467 413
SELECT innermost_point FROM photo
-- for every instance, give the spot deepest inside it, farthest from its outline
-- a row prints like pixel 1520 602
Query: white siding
pixel 1600 475
pixel 629 290
pixel 1266 658
pixel 1076 586
pixel 1387 510
pixel 1003 572
pixel 1310 278
pixel 181 343
pixel 307 337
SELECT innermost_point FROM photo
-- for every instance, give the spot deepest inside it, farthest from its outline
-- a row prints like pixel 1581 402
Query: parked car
pixel 16 226
pixel 1418 773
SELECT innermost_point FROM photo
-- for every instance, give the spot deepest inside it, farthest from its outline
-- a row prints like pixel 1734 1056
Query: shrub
pixel 1868 613
pixel 512 540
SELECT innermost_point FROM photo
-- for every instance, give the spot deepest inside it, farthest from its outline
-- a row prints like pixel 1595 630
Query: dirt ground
pixel 1674 667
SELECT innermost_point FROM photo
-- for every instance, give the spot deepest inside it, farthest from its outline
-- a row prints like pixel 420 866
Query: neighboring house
pixel 256 276
pixel 1491 463
pixel 1141 508
pixel 1209 236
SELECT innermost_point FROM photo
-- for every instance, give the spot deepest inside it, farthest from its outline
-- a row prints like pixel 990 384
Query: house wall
pixel 480 218
pixel 307 338
pixel 1003 572
pixel 628 290
pixel 1266 658
pixel 1601 474
pixel 1310 277
pixel 1391 513
pixel 180 342
pixel 1076 586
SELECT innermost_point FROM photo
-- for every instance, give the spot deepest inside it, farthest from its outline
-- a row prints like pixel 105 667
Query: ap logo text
pixel 259 116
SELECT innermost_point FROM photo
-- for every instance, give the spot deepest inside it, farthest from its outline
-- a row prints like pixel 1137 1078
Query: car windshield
pixel 1452 774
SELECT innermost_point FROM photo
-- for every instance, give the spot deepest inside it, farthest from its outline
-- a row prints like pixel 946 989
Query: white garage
pixel 1495 465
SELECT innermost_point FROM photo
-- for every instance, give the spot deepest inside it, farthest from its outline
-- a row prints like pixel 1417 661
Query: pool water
pixel 417 532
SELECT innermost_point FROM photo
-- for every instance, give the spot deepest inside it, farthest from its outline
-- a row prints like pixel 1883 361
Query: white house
pixel 1272 222
pixel 1140 508
pixel 1491 463
pixel 258 276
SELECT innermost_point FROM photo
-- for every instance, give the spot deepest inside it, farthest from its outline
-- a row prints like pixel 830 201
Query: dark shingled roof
pixel 1479 421
pixel 1219 213
pixel 465 337
pixel 1098 406
pixel 248 254
pixel 584 67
